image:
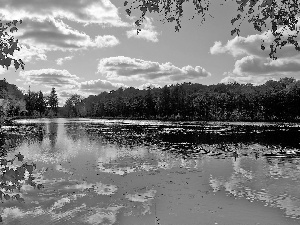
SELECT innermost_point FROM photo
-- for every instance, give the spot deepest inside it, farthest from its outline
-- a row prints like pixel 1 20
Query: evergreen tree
pixel 41 103
pixel 53 101
pixel 31 99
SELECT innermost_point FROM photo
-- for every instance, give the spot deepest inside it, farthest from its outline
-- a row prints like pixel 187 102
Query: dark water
pixel 151 172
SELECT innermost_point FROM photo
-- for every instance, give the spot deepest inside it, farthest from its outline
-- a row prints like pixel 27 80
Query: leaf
pixel 10 175
pixel 13 29
pixel 138 23
pixel 128 11
pixel 233 32
pixel 16 64
pixel 143 9
pixel 125 3
pixel 171 19
pixel 7 197
pixel 20 157
pixel 233 20
pixel 7 62
pixel 18 197
pixel 3 162
pixel 40 186
pixel 267 3
pixel 242 3
pixel 29 168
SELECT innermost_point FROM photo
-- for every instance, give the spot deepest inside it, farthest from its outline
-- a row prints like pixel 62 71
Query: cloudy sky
pixel 90 46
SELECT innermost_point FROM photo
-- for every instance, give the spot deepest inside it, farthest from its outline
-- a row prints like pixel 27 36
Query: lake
pixel 134 172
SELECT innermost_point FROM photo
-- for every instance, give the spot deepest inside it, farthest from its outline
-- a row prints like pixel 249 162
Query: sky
pixel 90 46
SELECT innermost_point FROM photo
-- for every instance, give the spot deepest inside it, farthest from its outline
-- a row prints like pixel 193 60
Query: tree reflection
pixel 52 131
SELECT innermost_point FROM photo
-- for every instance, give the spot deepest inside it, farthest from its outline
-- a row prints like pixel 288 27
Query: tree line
pixel 272 101
pixel 14 103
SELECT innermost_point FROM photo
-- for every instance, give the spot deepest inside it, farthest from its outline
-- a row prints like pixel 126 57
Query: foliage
pixel 74 106
pixel 12 100
pixel 14 173
pixel 278 17
pixel 31 102
pixel 53 101
pixel 41 103
pixel 8 45
pixel 272 101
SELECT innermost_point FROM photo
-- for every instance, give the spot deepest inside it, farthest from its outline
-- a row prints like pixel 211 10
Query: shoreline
pixel 9 120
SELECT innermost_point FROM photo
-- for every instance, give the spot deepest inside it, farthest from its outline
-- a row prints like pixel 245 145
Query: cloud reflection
pixel 261 184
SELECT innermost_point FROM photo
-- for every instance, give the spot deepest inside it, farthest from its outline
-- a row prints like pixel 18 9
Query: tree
pixel 53 101
pixel 31 99
pixel 280 18
pixel 165 101
pixel 149 103
pixel 74 105
pixel 8 45
pixel 41 103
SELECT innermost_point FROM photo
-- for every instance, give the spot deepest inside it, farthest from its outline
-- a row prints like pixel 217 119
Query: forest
pixel 271 101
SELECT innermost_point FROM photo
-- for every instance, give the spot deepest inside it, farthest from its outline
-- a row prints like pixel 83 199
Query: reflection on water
pixel 150 172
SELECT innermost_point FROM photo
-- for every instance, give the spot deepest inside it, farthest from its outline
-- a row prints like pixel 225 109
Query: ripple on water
pixel 107 171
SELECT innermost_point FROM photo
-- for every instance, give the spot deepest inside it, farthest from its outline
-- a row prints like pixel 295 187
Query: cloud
pixel 105 41
pixel 60 61
pixel 86 12
pixel 2 70
pixel 148 31
pixel 45 28
pixel 50 78
pixel 252 65
pixel 151 85
pixel 97 86
pixel 29 53
pixel 239 46
pixel 256 80
pixel 52 35
pixel 255 62
pixel 251 45
pixel 67 94
pixel 125 68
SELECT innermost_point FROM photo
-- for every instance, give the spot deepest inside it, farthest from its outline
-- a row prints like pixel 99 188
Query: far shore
pixel 10 120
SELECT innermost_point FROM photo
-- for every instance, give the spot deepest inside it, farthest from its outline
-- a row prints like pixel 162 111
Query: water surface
pixel 96 171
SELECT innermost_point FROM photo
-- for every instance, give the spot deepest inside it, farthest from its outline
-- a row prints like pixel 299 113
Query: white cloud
pixel 105 41
pixel 67 93
pixel 2 70
pixel 151 85
pixel 125 68
pixel 101 12
pixel 52 35
pixel 29 53
pixel 97 86
pixel 256 80
pixel 50 78
pixel 60 61
pixel 254 64
pixel 147 32
pixel 239 46
pixel 45 28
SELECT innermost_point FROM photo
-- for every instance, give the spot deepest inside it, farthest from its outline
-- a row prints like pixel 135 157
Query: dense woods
pixel 14 102
pixel 272 101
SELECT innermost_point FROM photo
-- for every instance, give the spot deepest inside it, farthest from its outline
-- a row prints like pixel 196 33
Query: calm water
pixel 150 172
